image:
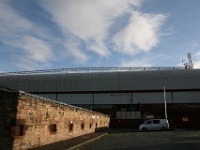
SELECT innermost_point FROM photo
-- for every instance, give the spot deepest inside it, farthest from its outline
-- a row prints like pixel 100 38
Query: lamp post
pixel 164 91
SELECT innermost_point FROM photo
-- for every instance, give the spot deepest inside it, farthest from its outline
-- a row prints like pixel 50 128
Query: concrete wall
pixel 29 121
pixel 126 98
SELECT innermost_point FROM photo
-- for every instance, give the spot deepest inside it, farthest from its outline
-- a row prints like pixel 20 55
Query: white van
pixel 155 124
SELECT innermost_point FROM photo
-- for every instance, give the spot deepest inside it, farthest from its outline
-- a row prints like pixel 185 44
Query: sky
pixel 51 34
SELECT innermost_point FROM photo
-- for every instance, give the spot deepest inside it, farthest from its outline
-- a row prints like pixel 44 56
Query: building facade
pixel 129 97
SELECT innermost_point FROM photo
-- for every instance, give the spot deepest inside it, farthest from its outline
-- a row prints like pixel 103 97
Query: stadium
pixel 129 95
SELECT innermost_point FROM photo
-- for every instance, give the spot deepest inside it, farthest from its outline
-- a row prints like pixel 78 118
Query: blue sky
pixel 44 34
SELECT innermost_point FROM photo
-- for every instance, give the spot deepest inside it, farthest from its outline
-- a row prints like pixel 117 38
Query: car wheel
pixel 163 129
pixel 144 129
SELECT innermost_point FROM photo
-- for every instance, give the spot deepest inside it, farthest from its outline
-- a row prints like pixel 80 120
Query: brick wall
pixel 29 121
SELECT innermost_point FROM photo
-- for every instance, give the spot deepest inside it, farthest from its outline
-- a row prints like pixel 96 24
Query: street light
pixel 164 84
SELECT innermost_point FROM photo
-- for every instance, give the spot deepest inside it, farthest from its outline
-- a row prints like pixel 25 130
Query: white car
pixel 155 124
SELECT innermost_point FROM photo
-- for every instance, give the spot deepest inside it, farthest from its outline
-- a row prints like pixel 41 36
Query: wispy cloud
pixel 88 20
pixel 73 48
pixel 197 60
pixel 196 64
pixel 194 44
pixel 140 34
pixel 11 21
pixel 37 53
pixel 92 23
pixel 145 62
pixel 18 32
pixel 82 26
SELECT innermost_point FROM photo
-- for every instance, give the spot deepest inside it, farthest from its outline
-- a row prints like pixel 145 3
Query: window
pixel 148 122
pixel 17 130
pixel 90 125
pixel 185 119
pixel 156 121
pixel 53 128
pixel 71 127
pixel 128 107
pixel 82 126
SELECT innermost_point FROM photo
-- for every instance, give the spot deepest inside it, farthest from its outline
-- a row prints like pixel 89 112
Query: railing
pixel 89 69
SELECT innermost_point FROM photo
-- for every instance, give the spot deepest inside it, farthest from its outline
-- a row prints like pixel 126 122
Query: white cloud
pixel 10 20
pixel 197 60
pixel 196 65
pixel 73 49
pixel 197 54
pixel 90 21
pixel 11 24
pixel 36 53
pixel 37 50
pixel 140 34
pixel 144 62
pixel 85 25
pixel 17 32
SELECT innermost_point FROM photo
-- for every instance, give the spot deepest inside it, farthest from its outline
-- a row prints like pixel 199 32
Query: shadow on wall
pixel 8 124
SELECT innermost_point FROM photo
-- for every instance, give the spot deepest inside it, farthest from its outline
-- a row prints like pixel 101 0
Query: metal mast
pixel 188 63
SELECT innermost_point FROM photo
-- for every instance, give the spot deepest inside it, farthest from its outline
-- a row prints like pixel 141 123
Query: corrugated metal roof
pixel 104 81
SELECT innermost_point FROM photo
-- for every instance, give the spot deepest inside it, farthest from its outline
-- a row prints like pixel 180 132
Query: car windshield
pixel 148 122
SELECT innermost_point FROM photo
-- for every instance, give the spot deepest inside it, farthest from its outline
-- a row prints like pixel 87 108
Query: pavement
pixel 72 143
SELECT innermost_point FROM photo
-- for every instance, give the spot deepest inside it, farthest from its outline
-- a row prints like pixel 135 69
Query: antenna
pixel 188 63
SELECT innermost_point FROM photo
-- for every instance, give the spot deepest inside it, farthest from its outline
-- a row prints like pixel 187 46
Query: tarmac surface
pixel 72 143
pixel 150 140
pixel 123 139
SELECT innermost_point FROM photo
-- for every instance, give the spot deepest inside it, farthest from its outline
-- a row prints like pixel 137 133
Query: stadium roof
pixel 175 79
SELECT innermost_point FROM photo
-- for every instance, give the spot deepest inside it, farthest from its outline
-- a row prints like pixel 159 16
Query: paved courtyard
pixel 157 140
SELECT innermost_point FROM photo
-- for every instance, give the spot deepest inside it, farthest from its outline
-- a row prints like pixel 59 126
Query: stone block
pixel 34 118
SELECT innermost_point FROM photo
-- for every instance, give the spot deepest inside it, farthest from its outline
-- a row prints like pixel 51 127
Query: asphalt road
pixel 157 140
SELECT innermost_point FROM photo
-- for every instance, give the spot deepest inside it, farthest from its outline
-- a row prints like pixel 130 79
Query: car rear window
pixel 156 121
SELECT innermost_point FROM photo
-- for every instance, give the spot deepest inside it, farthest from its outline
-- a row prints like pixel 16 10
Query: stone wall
pixel 29 121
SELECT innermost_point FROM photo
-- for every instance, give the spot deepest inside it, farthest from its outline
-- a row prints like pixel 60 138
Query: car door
pixel 156 124
pixel 148 125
